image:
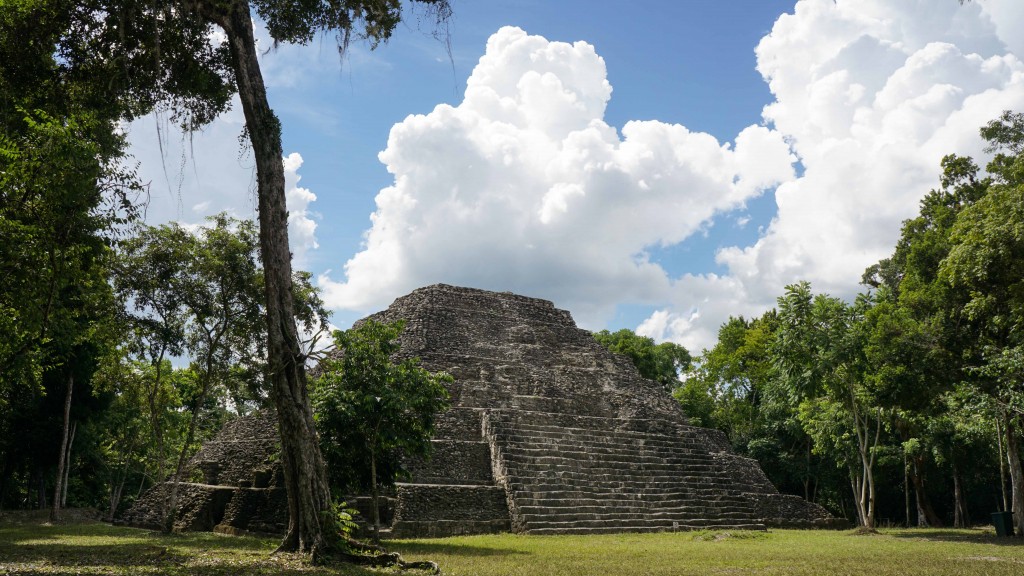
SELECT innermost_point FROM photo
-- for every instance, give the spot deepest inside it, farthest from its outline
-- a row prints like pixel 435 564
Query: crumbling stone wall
pixel 238 484
pixel 244 453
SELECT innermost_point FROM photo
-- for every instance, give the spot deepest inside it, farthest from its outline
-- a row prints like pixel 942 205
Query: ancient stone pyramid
pixel 551 433
pixel 548 433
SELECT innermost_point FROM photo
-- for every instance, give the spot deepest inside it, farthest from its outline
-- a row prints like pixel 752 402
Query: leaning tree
pixel 165 55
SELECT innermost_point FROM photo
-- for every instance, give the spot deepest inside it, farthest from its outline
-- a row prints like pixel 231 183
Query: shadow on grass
pixel 446 549
pixel 58 549
pixel 958 535
pixel 57 553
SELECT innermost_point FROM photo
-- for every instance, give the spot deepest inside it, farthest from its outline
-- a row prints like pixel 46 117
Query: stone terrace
pixel 551 433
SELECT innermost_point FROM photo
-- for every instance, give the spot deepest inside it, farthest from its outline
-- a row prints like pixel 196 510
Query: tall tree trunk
pixel 67 466
pixel 866 482
pixel 39 479
pixel 807 473
pixel 304 473
pixel 906 489
pixel 5 479
pixel 142 484
pixel 1016 474
pixel 926 515
pixel 172 505
pixel 55 508
pixel 855 486
pixel 156 424
pixel 116 489
pixel 961 519
pixel 376 496
pixel 1002 464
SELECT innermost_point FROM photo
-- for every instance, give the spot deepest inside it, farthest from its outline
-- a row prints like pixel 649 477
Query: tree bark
pixel 906 489
pixel 1016 475
pixel 855 486
pixel 38 481
pixel 926 515
pixel 55 508
pixel 304 473
pixel 1002 465
pixel 172 506
pixel 807 473
pixel 156 420
pixel 67 466
pixel 865 497
pixel 376 496
pixel 116 489
pixel 961 519
pixel 5 478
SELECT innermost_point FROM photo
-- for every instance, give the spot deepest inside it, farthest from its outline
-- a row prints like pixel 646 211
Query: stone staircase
pixel 549 432
pixel 604 477
pixel 453 491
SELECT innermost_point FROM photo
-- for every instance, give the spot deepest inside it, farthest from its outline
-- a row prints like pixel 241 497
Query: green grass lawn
pixel 31 546
pixel 896 552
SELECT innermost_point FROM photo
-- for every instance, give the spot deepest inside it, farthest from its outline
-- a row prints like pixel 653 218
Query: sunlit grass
pixel 893 552
pixel 32 546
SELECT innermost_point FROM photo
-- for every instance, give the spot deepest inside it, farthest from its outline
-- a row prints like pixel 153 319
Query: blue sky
pixel 665 205
pixel 682 62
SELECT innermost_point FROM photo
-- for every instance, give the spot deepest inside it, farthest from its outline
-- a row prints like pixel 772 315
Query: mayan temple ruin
pixel 548 432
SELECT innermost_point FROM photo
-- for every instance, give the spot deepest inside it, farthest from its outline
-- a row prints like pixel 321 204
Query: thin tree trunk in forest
pixel 1016 475
pixel 870 473
pixel 304 473
pixel 122 478
pixel 156 422
pixel 116 489
pixel 906 489
pixel 172 506
pixel 1002 465
pixel 961 519
pixel 865 496
pixel 925 511
pixel 376 496
pixel 807 474
pixel 40 487
pixel 855 486
pixel 55 508
pixel 67 467
pixel 5 478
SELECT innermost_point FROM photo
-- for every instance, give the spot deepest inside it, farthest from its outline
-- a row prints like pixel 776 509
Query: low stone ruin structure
pixel 548 432
pixel 236 484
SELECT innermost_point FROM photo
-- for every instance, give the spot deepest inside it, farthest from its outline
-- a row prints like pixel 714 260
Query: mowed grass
pixel 892 552
pixel 29 545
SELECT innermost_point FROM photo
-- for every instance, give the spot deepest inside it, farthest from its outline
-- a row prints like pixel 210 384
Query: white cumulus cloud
pixel 523 186
pixel 871 94
pixel 301 223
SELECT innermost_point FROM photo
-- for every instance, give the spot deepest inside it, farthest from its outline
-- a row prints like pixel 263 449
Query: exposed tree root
pixel 359 546
pixel 351 551
pixel 387 560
